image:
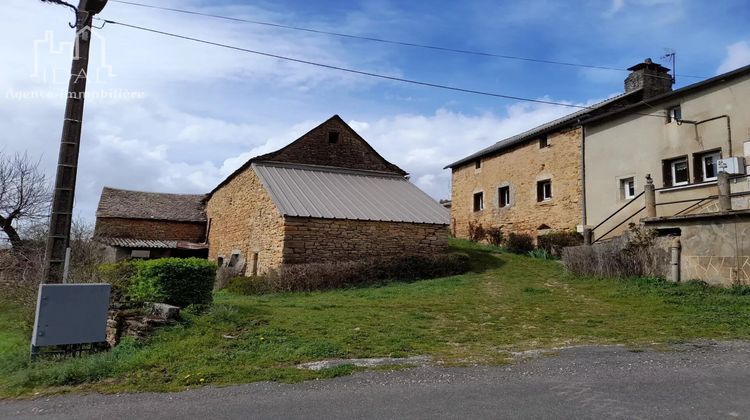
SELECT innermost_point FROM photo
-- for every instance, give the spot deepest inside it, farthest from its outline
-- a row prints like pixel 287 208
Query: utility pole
pixel 61 216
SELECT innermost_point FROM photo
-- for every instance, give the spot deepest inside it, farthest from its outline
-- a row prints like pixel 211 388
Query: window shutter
pixel 697 168
pixel 667 173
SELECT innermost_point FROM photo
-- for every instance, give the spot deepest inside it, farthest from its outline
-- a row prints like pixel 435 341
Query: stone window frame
pixel 474 195
pixel 539 197
pixel 621 193
pixel 511 201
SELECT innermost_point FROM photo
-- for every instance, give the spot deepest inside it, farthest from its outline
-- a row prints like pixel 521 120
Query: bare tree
pixel 24 194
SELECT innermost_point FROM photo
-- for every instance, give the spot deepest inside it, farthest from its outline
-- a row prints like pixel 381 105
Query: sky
pixel 171 115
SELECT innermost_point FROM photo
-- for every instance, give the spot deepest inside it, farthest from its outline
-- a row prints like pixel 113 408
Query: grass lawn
pixel 508 303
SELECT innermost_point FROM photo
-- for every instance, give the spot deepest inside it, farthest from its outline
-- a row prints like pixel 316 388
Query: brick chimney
pixel 653 78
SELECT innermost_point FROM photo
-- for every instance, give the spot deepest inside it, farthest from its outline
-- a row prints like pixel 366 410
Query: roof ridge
pixel 333 169
pixel 152 192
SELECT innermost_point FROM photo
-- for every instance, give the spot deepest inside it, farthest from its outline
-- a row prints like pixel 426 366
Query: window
pixel 676 172
pixel 627 188
pixel 544 190
pixel 503 194
pixel 674 114
pixel 543 142
pixel 140 253
pixel 254 270
pixel 220 261
pixel 706 166
pixel 234 259
pixel 478 164
pixel 478 201
pixel 333 137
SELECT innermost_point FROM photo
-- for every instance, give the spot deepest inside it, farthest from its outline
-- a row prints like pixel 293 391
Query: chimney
pixel 653 78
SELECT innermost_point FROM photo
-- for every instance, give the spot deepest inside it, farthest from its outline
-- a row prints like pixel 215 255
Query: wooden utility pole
pixel 61 216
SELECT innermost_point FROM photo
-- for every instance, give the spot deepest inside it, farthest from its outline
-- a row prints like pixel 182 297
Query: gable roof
pixel 567 120
pixel 695 87
pixel 281 155
pixel 335 193
pixel 151 206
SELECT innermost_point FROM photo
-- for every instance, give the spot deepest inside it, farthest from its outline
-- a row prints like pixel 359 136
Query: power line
pixel 386 41
pixel 348 70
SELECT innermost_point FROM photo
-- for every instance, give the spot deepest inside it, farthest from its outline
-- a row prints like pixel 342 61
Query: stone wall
pixel 309 240
pixel 715 247
pixel 244 219
pixel 349 151
pixel 150 229
pixel 520 167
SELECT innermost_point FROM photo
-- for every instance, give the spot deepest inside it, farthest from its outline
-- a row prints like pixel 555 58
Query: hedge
pixel 176 281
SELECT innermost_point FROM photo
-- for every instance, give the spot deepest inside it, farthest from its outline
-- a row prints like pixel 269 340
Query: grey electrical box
pixel 71 314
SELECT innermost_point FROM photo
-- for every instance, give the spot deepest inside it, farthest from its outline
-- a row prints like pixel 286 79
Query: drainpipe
pixel 729 129
pixel 583 178
pixel 674 263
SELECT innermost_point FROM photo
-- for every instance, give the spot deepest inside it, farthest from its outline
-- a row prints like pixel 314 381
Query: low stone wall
pixel 715 246
pixel 310 240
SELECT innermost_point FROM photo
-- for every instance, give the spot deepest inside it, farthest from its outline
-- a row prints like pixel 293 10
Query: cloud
pixel 738 55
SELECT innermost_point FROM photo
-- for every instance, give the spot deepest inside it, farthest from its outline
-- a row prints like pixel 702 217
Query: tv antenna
pixel 671 56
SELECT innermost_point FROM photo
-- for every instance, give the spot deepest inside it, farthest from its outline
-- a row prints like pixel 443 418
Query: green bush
pixel 519 243
pixel 248 285
pixel 495 236
pixel 332 275
pixel 476 232
pixel 176 281
pixel 119 275
pixel 554 242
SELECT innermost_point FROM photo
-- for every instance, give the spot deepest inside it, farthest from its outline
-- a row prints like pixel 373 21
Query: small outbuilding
pixel 136 224
pixel 328 196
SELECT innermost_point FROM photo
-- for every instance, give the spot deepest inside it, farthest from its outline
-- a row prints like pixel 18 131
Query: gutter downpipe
pixel 729 129
pixel 583 174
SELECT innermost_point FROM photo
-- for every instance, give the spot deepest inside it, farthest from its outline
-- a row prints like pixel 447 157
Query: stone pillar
pixel 674 263
pixel 650 197
pixel 725 200
pixel 587 235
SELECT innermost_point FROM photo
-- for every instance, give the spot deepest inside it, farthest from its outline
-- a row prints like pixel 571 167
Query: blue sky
pixel 204 110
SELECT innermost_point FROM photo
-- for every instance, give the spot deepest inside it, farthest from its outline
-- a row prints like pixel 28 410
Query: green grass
pixel 509 303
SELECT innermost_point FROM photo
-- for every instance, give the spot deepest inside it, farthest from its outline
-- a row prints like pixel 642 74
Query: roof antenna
pixel 671 55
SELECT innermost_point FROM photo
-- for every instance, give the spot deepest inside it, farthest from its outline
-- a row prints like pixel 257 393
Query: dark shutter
pixel 697 168
pixel 666 172
pixel 539 191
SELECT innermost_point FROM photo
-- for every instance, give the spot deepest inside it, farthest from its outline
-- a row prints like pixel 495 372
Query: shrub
pixel 248 285
pixel 631 255
pixel 175 281
pixel 320 276
pixel 540 254
pixel 117 274
pixel 495 236
pixel 476 232
pixel 519 243
pixel 554 242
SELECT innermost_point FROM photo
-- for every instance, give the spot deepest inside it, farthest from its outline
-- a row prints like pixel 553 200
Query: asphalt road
pixel 698 380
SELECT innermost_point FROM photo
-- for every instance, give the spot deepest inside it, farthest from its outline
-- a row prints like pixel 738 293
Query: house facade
pixel 328 196
pixel 678 139
pixel 136 224
pixel 532 183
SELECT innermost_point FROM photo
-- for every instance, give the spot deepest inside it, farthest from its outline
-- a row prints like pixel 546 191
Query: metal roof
pixel 539 130
pixel 336 193
pixel 149 243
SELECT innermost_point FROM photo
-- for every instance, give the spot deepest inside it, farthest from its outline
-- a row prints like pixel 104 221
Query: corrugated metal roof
pixel 335 193
pixel 150 243
pixel 539 130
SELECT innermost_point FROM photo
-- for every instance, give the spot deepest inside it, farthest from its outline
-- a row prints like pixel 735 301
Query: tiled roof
pixel 153 206
pixel 542 129
pixel 335 193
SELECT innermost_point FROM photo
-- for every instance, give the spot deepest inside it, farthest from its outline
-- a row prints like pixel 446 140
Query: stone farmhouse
pixel 533 182
pixel 328 196
pixel 135 224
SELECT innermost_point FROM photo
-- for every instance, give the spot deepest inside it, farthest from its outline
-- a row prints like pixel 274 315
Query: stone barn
pixel 135 224
pixel 328 196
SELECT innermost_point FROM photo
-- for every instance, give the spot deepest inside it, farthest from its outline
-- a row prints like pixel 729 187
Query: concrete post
pixel 587 236
pixel 650 197
pixel 725 201
pixel 674 262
